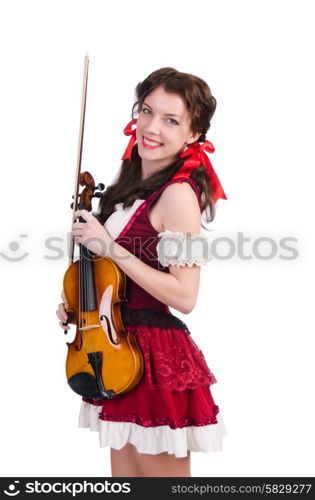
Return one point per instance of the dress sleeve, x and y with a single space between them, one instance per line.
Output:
180 249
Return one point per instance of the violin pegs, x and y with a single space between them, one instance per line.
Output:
97 195
100 186
71 206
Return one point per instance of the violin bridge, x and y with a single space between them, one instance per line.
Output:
90 327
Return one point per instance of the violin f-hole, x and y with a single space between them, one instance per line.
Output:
109 329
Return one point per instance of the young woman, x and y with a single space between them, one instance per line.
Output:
149 224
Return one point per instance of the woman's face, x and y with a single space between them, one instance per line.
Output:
163 129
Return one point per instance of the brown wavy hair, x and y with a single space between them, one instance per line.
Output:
128 185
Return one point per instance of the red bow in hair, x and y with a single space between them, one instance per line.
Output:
198 156
130 131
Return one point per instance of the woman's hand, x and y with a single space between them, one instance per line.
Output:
62 315
91 234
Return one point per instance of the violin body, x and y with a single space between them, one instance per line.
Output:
104 360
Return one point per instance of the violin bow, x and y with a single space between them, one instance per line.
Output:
80 148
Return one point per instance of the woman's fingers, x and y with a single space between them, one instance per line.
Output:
62 315
62 311
65 327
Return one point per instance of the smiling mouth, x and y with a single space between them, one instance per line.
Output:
149 144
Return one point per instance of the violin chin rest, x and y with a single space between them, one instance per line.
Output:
85 385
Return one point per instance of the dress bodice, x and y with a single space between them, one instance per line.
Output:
131 228
119 219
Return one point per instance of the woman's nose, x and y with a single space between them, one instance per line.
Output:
153 125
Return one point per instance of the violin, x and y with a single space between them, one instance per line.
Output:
104 360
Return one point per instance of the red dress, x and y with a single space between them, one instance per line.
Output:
171 409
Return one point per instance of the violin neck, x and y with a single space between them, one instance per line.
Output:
87 290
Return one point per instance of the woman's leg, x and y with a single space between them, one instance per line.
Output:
127 462
163 465
123 462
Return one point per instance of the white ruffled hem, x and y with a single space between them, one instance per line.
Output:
180 248
153 440
182 262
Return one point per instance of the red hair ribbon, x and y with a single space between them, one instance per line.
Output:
130 131
198 156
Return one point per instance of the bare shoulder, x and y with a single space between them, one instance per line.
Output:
180 209
181 188
180 196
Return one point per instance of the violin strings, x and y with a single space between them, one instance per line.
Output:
82 274
80 297
88 269
87 305
85 291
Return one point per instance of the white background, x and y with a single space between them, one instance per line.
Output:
254 319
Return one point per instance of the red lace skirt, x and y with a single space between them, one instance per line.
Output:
171 409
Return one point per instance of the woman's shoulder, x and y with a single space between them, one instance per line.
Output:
180 207
181 191
183 187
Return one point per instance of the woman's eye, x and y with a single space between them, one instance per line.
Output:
145 111
172 121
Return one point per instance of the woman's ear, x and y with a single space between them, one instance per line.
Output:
193 138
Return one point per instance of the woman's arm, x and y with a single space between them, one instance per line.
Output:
178 289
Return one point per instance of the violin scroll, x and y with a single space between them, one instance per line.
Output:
90 191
